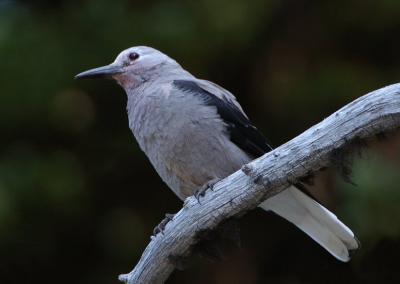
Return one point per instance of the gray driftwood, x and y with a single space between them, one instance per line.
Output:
374 113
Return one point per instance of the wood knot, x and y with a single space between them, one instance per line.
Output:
259 180
247 170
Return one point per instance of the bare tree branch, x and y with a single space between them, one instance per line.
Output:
374 113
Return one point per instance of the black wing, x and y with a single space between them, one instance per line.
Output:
241 131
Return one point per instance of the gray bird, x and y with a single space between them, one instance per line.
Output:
194 132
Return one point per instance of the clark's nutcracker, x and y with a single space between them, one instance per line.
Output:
195 132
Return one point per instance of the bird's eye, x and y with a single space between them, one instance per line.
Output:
133 56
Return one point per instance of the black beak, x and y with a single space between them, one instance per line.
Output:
100 72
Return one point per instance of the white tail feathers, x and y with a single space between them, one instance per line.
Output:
315 220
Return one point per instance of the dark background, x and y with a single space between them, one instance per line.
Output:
79 200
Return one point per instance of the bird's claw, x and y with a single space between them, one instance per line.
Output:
161 227
202 190
200 193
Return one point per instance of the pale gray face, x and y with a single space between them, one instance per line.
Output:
131 66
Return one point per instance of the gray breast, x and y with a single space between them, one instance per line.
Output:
186 141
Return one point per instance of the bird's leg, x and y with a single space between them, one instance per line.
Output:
160 227
202 190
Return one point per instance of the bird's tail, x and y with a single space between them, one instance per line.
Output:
315 220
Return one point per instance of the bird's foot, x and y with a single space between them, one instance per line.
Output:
202 190
161 227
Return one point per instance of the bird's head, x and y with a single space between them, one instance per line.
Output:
133 66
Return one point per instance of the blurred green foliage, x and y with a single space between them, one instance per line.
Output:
78 200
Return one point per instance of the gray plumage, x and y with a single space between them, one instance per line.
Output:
194 131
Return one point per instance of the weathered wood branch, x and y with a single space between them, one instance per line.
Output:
374 113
